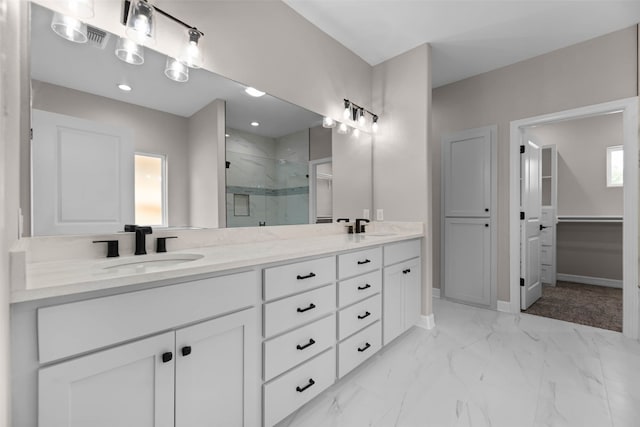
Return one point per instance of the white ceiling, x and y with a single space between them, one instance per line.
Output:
467 37
90 69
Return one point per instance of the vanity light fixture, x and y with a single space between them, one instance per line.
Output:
358 114
140 22
347 109
124 87
176 70
69 28
343 129
361 118
192 54
328 122
129 51
255 124
252 91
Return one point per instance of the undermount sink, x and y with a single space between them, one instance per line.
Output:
149 262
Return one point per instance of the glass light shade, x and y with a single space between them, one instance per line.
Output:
191 53
374 127
328 122
356 132
69 28
141 23
361 119
347 112
129 51
343 129
176 70
82 9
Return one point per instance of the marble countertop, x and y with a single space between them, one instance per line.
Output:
73 276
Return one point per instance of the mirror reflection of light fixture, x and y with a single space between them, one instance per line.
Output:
141 23
192 54
69 28
328 122
176 70
347 109
82 9
129 51
356 132
343 129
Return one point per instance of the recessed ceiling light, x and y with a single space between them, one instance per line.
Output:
255 124
254 92
124 87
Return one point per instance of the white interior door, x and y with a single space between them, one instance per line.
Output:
531 193
82 176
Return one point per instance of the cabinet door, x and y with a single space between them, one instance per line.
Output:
216 372
467 174
392 306
467 249
125 386
412 293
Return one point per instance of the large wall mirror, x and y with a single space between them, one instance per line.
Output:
115 143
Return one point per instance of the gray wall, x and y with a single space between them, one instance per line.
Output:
582 155
595 71
153 132
352 165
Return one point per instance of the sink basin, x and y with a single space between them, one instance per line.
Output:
149 262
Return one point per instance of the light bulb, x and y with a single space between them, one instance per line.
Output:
374 125
361 119
343 129
328 122
141 23
176 71
347 110
129 51
69 28
192 54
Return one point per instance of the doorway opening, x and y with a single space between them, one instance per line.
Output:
569 237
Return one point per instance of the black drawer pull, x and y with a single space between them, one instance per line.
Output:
166 357
302 310
308 276
367 314
186 350
309 344
301 389
408 270
362 288
366 346
366 261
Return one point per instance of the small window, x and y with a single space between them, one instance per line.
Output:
150 191
615 166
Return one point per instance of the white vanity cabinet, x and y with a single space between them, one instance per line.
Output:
207 371
401 289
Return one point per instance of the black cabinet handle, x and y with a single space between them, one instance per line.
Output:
309 344
366 261
366 346
362 288
308 276
186 350
486 225
309 384
542 227
407 271
367 314
302 310
166 357
486 209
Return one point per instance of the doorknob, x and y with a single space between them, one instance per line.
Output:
542 227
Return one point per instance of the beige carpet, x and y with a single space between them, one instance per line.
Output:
597 306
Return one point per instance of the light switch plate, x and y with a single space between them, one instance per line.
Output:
379 215
365 213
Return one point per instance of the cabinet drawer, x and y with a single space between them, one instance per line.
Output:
293 348
358 288
396 252
78 327
289 392
358 316
359 262
298 309
358 348
300 276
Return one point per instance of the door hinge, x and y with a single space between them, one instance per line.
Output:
521 215
521 281
522 149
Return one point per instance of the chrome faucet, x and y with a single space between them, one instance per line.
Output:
141 233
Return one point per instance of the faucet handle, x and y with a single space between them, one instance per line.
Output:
112 247
130 227
161 243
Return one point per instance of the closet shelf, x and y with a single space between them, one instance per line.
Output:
586 218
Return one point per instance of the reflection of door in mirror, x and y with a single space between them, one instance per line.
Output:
82 175
321 191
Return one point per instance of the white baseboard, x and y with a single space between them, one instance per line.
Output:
504 306
587 280
427 322
435 292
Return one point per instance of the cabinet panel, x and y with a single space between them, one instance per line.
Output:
359 262
298 277
393 310
125 386
358 348
468 244
296 310
401 251
412 292
358 288
216 379
358 316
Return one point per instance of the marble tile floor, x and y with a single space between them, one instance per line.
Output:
483 368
